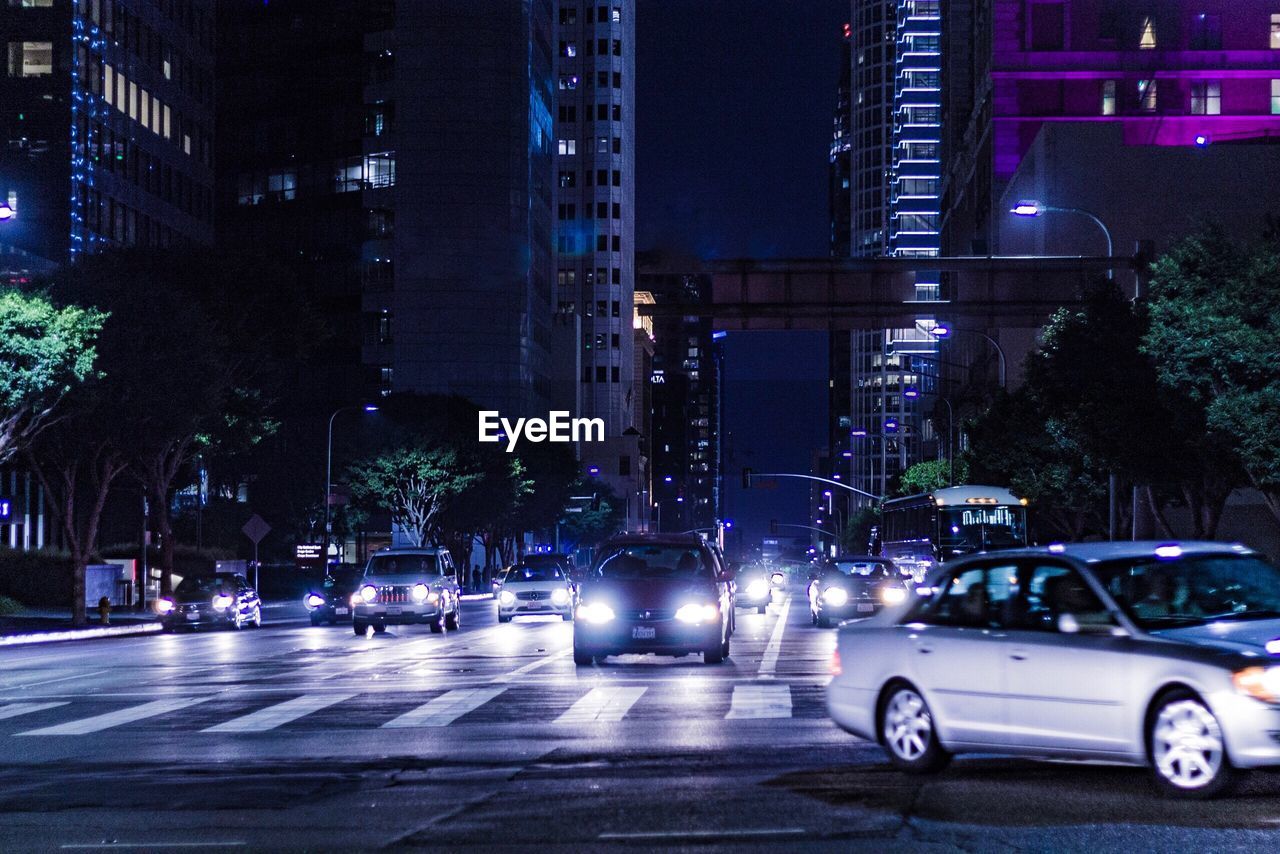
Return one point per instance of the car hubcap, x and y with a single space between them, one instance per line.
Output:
1187 744
908 725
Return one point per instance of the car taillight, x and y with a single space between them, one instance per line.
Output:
835 662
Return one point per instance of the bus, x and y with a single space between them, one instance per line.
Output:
918 531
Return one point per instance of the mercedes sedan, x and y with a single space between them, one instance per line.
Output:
1156 654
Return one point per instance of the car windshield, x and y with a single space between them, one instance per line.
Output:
1193 589
863 569
534 573
637 562
209 585
405 564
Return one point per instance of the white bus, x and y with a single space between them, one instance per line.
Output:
918 531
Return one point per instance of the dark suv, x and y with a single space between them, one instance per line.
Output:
669 594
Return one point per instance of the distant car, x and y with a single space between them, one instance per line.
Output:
755 587
403 586
855 587
669 594
221 600
540 585
331 601
1155 654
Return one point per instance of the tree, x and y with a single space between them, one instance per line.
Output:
856 533
597 521
44 351
1214 320
929 475
413 483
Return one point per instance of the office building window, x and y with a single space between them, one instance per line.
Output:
568 49
617 243
1046 26
616 374
1275 31
617 178
617 308
568 113
602 145
1206 98
602 243
617 75
1147 95
567 147
586 373
568 81
601 376
1275 97
617 210
1206 32
617 275
568 179
30 59
617 47
567 211
1147 41
566 277
615 341
602 210
568 16
617 15
617 145
1108 97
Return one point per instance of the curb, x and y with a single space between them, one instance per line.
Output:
79 634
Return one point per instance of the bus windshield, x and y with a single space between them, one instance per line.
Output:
968 529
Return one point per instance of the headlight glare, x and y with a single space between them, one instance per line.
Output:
596 612
696 613
420 592
368 593
757 589
778 578
1261 683
506 598
222 602
560 596
835 596
893 595
164 606
314 601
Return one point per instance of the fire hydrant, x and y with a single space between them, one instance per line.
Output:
104 611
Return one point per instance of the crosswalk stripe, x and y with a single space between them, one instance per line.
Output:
12 710
445 709
604 704
98 723
760 701
280 714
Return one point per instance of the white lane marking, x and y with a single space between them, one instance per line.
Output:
706 834
73 846
51 681
605 704
97 723
533 665
760 701
280 714
445 709
769 663
14 709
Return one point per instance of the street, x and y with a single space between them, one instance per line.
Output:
300 737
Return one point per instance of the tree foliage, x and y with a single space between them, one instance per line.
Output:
45 351
414 484
929 475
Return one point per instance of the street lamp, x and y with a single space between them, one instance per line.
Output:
943 332
328 474
1030 208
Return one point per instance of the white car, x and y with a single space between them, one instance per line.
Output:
1155 654
538 585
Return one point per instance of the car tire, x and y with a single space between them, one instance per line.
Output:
761 609
582 658
257 617
379 628
316 619
907 732
724 648
360 627
1199 770
716 654
437 625
823 622
502 619
451 620
236 622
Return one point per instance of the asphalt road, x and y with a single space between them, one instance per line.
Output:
292 737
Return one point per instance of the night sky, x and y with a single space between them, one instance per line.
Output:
734 106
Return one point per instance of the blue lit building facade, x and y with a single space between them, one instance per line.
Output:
107 117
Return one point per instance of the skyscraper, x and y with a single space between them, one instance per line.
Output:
108 125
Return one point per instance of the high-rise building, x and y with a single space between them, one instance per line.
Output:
595 226
108 125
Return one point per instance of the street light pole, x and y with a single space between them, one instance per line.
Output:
328 475
943 332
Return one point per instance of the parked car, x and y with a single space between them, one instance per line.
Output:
221 600
669 594
855 587
403 586
330 602
1154 654
539 585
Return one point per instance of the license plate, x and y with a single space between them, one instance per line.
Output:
193 617
644 633
342 610
393 610
866 606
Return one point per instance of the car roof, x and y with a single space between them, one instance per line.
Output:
1121 550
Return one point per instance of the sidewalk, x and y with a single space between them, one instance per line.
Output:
46 625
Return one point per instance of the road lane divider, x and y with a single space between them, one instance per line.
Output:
445 709
80 634
769 663
98 723
606 704
280 714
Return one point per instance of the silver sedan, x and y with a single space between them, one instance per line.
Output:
1158 654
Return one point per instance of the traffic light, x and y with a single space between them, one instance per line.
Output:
746 478
773 526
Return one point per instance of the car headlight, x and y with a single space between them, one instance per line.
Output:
507 598
560 596
893 595
368 593
778 578
695 613
758 589
222 602
835 596
164 606
1261 683
433 596
420 592
596 612
314 600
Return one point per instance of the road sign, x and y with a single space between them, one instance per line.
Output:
309 555
256 528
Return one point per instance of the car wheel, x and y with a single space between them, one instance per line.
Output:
1186 748
581 657
724 648
437 625
451 619
716 654
379 628
257 616
236 622
359 626
761 609
502 619
823 622
315 619
910 739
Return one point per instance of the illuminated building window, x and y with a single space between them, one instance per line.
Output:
1275 32
30 59
1108 97
568 81
1147 95
568 147
566 277
1275 97
1147 41
1206 98
568 179
568 49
